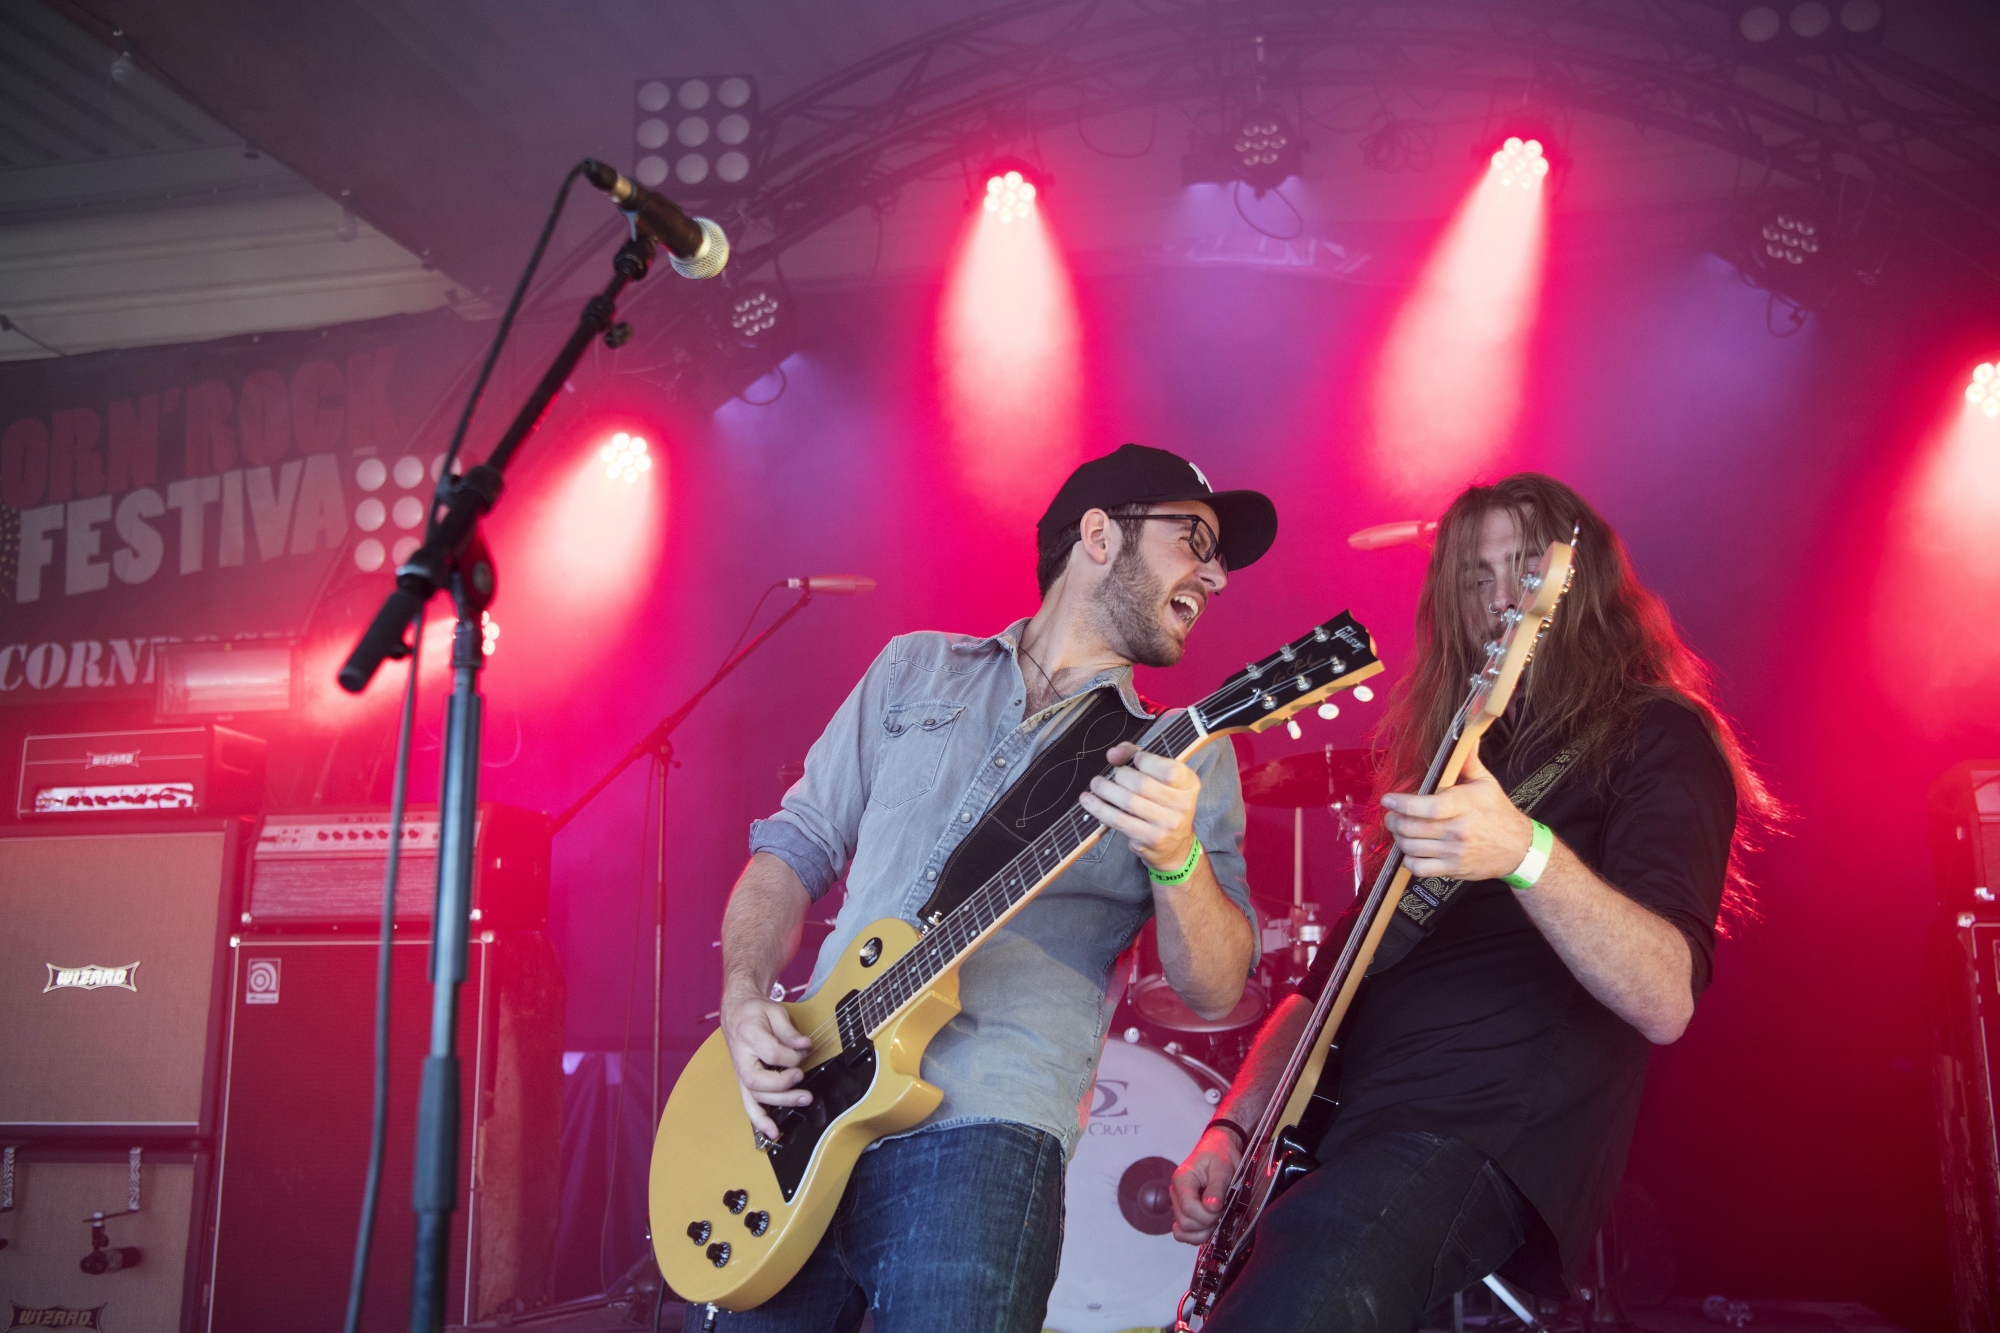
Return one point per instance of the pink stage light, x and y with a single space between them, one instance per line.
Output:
1941 570
1009 350
1984 391
1449 387
587 543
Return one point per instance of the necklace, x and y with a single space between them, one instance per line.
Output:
1044 670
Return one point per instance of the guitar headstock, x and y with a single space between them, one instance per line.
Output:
1509 655
1329 657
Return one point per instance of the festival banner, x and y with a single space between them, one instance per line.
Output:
211 491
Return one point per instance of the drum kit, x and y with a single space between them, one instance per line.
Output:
1166 1067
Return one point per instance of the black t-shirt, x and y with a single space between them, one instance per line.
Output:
1483 1034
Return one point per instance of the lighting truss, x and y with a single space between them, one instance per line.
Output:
1820 116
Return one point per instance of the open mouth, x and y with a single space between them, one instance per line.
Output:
1186 606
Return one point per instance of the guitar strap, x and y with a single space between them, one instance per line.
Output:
1037 798
1424 900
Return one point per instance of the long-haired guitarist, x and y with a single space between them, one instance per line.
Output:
1487 1080
958 1225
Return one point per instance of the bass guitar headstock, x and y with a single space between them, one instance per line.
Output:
1508 656
1329 657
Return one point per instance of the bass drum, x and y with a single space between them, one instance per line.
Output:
1121 1267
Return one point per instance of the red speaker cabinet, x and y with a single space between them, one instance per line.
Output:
294 1145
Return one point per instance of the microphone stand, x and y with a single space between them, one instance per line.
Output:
454 556
658 743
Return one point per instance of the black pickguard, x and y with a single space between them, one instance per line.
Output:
835 1087
1040 796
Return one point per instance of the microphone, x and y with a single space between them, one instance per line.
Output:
836 585
697 245
1411 532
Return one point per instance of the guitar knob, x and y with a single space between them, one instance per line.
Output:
698 1232
736 1200
759 1222
718 1253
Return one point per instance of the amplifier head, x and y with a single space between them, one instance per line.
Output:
323 870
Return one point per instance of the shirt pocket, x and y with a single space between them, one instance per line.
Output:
914 739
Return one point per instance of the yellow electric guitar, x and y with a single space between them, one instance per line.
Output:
735 1215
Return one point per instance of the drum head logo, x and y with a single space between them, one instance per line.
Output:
1108 1104
54 1316
92 978
260 985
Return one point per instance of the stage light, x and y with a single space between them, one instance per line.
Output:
1789 239
1265 148
1984 391
754 312
1809 24
1009 195
626 457
489 633
1520 162
1451 381
696 131
1009 346
1809 249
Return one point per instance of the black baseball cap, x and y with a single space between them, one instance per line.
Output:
1136 474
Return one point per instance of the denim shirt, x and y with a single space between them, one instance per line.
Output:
924 745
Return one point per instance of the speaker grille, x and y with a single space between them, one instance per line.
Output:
86 1045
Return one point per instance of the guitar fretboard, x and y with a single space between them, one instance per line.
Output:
953 937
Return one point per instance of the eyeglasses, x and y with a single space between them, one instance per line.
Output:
1200 538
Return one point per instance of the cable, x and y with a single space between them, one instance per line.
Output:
378 1128
656 773
500 334
1236 196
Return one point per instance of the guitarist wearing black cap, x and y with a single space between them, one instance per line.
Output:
958 1223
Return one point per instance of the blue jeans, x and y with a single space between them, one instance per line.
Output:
1388 1227
948 1231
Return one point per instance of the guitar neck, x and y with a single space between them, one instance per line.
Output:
1302 1072
967 927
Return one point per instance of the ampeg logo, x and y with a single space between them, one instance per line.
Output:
260 985
55 1316
92 978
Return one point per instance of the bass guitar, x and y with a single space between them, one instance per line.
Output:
735 1215
1279 1149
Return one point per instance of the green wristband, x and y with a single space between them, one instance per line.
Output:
1537 859
1179 876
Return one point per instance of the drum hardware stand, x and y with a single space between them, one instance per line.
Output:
454 557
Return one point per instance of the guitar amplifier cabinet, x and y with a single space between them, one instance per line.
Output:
294 1146
111 958
1965 838
1966 1068
206 770
324 870
46 1201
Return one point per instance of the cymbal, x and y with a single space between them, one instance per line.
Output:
1310 779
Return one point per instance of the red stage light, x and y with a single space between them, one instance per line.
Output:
1008 353
626 457
1520 163
1451 379
1984 391
1009 194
